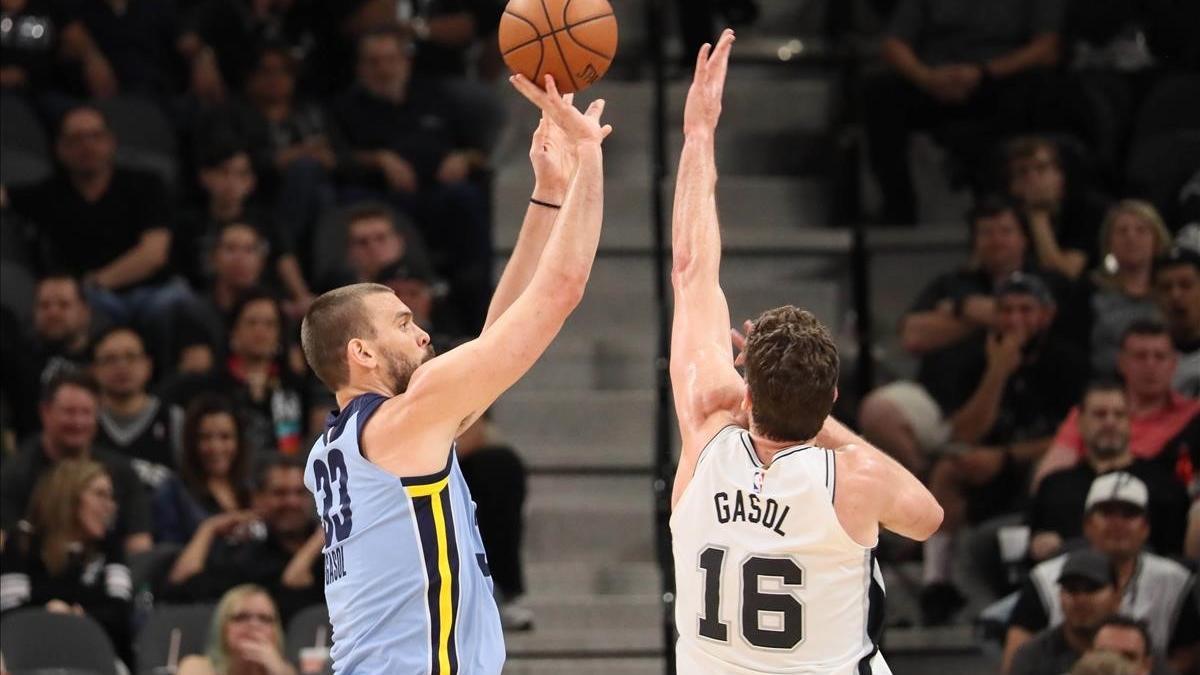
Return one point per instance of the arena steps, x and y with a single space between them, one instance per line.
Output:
601 666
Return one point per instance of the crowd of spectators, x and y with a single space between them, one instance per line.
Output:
1054 408
154 403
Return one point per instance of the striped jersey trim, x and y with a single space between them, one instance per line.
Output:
434 514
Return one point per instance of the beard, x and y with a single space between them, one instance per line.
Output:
1105 449
401 368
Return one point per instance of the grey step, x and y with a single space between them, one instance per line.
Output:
590 519
579 360
577 666
568 427
597 613
592 578
568 641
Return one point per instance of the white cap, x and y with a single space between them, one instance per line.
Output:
1117 487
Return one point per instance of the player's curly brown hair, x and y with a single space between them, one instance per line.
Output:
791 372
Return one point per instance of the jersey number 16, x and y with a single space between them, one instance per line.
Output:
788 612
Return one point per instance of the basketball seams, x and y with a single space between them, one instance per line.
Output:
566 29
538 40
579 43
561 55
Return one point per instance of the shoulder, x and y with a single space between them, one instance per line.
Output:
1159 569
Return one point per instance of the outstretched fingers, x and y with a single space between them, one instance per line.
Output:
530 91
719 63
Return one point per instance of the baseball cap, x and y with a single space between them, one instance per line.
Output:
1024 283
1089 565
1117 487
1177 255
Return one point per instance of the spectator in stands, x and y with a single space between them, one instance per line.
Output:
376 239
1177 289
1064 216
1129 638
1162 421
224 36
62 325
237 258
1087 594
1132 236
214 472
68 412
38 38
106 224
955 63
228 181
230 549
497 479
135 423
1012 387
246 636
410 143
260 376
1104 428
138 39
444 32
68 563
1102 663
1152 588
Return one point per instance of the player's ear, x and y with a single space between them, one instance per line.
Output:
835 393
358 351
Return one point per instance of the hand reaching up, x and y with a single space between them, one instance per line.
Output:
578 127
703 107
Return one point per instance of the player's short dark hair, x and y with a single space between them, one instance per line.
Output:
331 322
1098 385
69 377
791 372
1126 621
1145 328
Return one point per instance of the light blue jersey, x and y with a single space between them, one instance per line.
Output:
406 576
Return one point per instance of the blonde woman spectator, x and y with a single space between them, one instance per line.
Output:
1132 236
68 563
246 637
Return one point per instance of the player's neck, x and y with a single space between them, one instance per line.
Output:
766 449
352 391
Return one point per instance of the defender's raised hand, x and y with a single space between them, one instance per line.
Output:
578 127
703 106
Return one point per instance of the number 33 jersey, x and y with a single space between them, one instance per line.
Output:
406 577
767 581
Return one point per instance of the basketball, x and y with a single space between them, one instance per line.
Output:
573 40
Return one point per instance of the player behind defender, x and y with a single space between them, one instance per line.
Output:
773 534
406 578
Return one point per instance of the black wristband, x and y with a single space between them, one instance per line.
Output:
545 204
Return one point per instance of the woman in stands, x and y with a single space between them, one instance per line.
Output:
1132 235
246 637
67 562
214 474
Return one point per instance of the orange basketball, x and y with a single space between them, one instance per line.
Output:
573 40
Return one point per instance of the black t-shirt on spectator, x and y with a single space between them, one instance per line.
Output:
234 33
81 236
951 31
260 562
139 41
1036 398
98 582
1058 504
21 474
423 129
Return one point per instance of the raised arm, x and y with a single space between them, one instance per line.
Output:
553 165
457 385
706 386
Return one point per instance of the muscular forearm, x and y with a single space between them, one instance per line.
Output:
571 246
924 332
1042 51
138 263
904 61
695 234
977 416
531 241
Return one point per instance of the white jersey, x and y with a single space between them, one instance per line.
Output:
767 581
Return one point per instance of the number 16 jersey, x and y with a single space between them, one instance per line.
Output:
767 581
406 576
